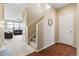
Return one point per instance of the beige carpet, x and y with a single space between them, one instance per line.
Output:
18 46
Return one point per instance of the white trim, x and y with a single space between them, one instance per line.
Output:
45 47
36 36
32 36
67 44
75 46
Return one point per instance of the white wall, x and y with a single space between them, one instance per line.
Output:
1 25
77 28
46 34
25 30
1 34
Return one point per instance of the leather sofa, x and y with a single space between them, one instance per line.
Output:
17 32
8 35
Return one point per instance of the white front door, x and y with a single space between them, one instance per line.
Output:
66 28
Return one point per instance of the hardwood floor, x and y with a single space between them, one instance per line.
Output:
58 49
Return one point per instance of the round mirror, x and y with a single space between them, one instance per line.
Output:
50 22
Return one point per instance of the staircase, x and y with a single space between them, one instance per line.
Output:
32 42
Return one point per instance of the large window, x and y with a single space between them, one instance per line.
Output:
13 26
21 26
10 26
16 26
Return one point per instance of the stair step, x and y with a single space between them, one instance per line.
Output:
34 36
34 39
33 44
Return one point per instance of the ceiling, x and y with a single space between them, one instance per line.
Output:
14 11
58 5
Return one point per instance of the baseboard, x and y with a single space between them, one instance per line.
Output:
45 47
52 44
74 46
67 44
